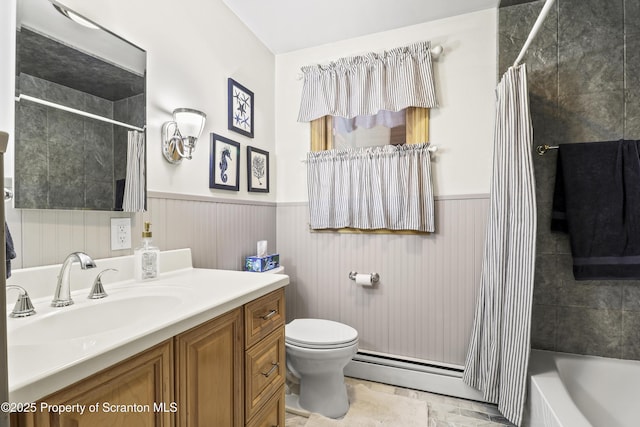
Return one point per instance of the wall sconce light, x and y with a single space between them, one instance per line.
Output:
179 136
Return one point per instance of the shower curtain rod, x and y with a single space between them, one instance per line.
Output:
534 31
76 111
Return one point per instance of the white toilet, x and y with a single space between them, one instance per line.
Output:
317 351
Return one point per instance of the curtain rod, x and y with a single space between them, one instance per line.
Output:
75 111
534 31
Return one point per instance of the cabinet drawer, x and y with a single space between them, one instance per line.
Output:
272 413
264 371
263 316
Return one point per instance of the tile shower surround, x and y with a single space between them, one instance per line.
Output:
584 86
77 152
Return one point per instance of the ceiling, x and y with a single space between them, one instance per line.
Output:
288 25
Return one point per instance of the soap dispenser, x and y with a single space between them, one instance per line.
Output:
146 264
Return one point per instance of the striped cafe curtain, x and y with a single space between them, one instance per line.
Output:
371 188
498 355
134 186
363 85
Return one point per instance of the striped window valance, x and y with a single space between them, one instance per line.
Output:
371 188
363 85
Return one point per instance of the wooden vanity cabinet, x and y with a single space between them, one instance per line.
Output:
226 372
125 395
209 365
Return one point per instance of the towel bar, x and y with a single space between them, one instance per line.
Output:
541 149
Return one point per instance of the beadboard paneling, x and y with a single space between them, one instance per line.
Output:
422 308
424 304
220 233
44 237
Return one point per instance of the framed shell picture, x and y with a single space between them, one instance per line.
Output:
224 163
257 170
240 109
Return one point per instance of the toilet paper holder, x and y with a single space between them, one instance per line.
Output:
375 277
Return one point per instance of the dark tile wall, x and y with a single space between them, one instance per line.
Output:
584 85
63 160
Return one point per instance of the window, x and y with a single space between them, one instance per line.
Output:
382 187
416 129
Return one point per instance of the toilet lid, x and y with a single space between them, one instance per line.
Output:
319 333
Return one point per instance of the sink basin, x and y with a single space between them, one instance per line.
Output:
92 318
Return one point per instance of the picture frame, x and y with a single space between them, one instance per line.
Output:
257 170
240 108
224 163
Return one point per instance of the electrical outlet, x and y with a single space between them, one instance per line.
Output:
120 233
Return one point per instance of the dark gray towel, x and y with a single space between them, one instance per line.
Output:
10 251
597 201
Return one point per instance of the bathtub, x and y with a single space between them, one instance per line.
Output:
567 390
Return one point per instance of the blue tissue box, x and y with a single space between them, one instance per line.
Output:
259 264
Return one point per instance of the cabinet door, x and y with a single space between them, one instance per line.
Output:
136 392
209 368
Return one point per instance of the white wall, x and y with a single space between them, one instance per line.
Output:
195 46
192 46
462 127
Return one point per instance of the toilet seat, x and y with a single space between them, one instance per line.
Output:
319 334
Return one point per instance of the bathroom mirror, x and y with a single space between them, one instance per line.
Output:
80 96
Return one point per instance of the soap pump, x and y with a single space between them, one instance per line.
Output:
146 257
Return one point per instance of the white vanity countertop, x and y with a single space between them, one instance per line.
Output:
135 316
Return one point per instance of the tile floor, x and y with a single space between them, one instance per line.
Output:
444 411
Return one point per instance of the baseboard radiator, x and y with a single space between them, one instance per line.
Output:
433 377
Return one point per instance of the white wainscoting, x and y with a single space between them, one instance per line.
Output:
220 232
423 306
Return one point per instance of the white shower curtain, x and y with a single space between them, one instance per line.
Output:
134 185
498 354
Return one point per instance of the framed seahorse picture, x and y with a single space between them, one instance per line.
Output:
224 163
240 108
257 170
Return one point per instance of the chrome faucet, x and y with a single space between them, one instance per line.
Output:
62 297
